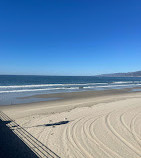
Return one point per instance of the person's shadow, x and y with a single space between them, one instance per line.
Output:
54 124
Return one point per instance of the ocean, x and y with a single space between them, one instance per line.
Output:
14 87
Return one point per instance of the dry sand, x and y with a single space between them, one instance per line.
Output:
96 126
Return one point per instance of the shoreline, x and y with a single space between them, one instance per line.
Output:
55 97
77 99
86 94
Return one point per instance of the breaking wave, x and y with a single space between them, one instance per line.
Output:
59 87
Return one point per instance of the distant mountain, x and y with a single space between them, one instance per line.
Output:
128 74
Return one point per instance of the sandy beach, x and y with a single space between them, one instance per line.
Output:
103 124
70 79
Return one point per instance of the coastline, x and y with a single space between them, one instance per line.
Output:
80 99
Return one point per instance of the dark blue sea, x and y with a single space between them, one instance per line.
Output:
14 87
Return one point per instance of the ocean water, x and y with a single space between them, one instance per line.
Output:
13 87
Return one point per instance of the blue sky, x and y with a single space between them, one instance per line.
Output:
70 37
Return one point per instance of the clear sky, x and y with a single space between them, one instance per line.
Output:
70 37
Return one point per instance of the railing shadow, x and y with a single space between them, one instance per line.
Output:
16 142
10 144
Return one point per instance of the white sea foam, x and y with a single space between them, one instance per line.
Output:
47 85
50 87
122 85
105 86
31 90
55 85
122 82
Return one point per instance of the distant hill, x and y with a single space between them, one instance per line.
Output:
128 74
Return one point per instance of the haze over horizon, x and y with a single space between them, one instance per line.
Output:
70 37
102 75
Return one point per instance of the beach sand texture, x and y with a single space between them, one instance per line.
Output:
102 127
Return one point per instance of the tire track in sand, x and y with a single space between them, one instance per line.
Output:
107 121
